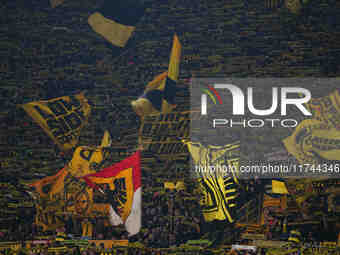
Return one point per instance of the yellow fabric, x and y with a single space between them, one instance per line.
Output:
61 122
293 239
87 228
56 179
117 34
313 140
45 213
60 236
218 210
143 107
295 232
166 107
65 191
326 109
126 185
106 140
217 197
317 139
215 155
101 209
169 185
157 82
175 58
279 187
173 68
180 185
83 160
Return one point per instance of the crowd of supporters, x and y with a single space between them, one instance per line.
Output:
169 218
45 53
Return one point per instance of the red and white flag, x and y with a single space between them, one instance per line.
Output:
121 182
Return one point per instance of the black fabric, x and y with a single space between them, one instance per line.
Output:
155 97
170 91
125 12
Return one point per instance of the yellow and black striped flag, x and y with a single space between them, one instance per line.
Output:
159 95
294 236
220 190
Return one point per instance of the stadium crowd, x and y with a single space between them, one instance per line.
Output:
45 53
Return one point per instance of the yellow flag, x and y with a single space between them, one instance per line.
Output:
313 142
116 21
86 160
219 190
215 204
106 140
159 95
51 193
177 186
326 109
279 187
180 186
114 32
65 192
40 186
169 185
61 118
175 58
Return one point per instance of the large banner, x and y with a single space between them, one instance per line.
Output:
65 192
120 185
220 189
161 134
316 141
54 197
326 109
62 118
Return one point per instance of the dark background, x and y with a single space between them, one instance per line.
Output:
46 53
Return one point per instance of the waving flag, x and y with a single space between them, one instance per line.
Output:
47 196
121 184
279 187
116 21
61 118
220 191
65 191
159 95
326 109
316 140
